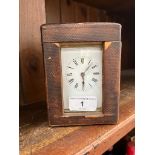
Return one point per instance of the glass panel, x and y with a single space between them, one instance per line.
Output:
82 77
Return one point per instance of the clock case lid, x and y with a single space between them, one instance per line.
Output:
75 32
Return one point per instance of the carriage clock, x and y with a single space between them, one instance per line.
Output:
82 70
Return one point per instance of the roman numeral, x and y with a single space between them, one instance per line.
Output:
90 85
69 74
94 66
75 62
89 62
96 73
71 80
82 60
95 80
76 85
70 67
82 103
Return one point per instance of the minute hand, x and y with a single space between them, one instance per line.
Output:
87 67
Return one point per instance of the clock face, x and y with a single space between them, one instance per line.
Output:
82 73
82 77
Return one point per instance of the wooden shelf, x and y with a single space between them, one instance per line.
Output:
37 138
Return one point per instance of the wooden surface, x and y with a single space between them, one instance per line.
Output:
81 32
52 11
37 138
55 34
81 12
68 11
94 14
111 87
32 15
111 5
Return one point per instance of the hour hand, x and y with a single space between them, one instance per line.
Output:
83 85
82 75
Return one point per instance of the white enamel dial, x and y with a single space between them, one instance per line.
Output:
82 77
82 73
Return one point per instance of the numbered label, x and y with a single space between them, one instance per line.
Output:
82 103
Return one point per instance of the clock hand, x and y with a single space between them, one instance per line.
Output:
83 85
87 68
82 75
